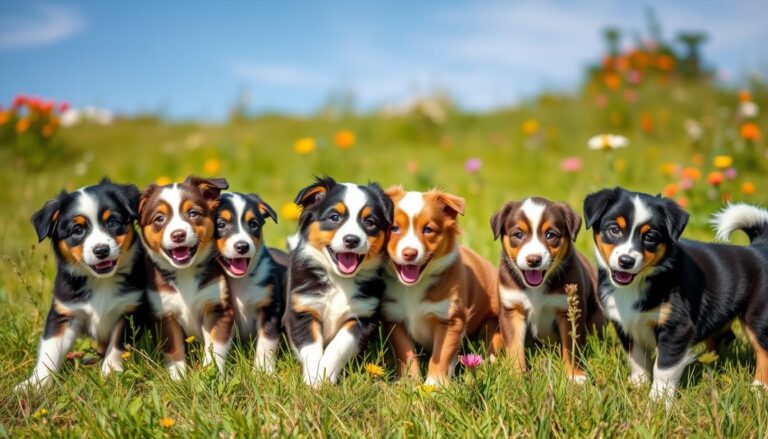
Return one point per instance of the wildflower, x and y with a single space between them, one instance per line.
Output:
646 122
212 166
669 169
412 166
750 131
748 110
708 357
693 130
691 173
722 161
471 361
167 422
290 211
426 388
473 165
48 130
607 141
682 202
686 184
530 127
601 100
748 188
744 96
40 413
126 355
163 180
19 101
665 62
190 339
75 355
630 95
304 145
22 125
5 116
697 159
612 81
374 370
344 139
669 190
64 106
731 174
715 178
634 77
571 164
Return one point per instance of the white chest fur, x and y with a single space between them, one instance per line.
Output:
640 325
97 315
541 308
248 297
407 305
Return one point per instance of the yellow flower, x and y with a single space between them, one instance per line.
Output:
723 161
304 145
126 355
344 139
374 370
669 169
190 339
708 357
748 188
167 422
290 211
530 127
41 412
212 166
607 141
426 388
163 180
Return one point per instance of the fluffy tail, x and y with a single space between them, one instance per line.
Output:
750 219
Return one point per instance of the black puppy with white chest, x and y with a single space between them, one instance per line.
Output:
100 277
667 294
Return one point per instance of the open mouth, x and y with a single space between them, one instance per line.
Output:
409 273
235 266
104 267
346 262
181 255
622 277
534 278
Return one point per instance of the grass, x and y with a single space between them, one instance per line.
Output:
257 156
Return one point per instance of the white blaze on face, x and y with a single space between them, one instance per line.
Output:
642 214
239 206
535 245
173 196
354 200
88 206
411 204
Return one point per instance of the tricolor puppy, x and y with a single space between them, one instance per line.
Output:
334 276
538 260
187 288
666 294
437 291
257 274
100 274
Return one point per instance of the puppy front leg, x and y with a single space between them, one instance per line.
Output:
513 326
672 355
640 364
305 333
58 336
351 338
172 336
113 357
267 344
568 347
405 351
217 334
445 346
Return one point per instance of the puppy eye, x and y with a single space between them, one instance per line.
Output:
369 222
221 224
650 238
253 224
159 219
428 230
615 230
518 234
395 229
550 235
335 218
78 231
112 223
192 214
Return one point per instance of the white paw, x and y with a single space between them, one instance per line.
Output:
577 379
31 383
436 381
759 385
663 394
314 382
492 358
177 371
264 366
638 379
108 366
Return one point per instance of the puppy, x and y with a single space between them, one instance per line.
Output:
437 291
99 278
666 294
187 288
334 274
257 274
538 260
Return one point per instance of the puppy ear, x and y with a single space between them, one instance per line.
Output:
675 217
595 204
210 188
45 219
128 195
395 191
572 220
264 209
315 192
145 196
386 200
453 205
499 218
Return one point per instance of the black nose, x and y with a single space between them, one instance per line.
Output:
101 251
533 260
242 247
351 241
626 261
178 236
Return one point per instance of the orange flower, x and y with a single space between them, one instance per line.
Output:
167 422
304 145
163 180
530 127
646 123
669 190
698 159
715 178
748 188
612 81
5 116
290 211
344 139
750 131
48 130
665 62
691 174
682 202
22 125
212 166
744 96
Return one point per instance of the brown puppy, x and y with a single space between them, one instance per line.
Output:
537 262
437 291
187 289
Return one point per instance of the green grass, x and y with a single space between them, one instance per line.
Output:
257 156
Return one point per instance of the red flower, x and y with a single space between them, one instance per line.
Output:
19 101
64 106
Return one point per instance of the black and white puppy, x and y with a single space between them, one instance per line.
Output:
257 274
334 275
666 294
100 274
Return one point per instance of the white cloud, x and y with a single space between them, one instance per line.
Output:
42 24
280 75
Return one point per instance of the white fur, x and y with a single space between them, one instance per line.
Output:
665 381
266 353
339 351
535 246
738 216
310 356
248 297
238 202
411 204
638 324
177 369
541 308
640 364
88 206
354 200
49 357
642 214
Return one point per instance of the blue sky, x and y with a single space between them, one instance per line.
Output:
192 59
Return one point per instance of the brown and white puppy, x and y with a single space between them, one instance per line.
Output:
437 291
537 261
187 288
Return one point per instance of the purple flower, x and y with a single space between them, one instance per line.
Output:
731 173
471 361
473 165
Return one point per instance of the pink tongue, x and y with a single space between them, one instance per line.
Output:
180 253
347 262
533 277
623 276
409 273
105 264
238 265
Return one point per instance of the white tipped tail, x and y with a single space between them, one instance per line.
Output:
750 219
292 241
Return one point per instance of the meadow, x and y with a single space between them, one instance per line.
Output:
537 148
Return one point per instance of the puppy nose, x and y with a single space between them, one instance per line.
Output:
409 254
626 261
351 241
101 251
242 247
533 260
178 236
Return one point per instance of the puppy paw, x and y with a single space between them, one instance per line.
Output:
30 384
436 381
577 379
177 371
759 385
638 379
108 366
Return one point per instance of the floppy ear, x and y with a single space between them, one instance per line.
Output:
315 192
264 209
145 196
44 220
395 191
499 218
453 205
128 195
595 204
675 217
210 188
386 200
572 220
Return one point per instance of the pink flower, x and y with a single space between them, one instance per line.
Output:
601 100
634 77
630 95
471 361
731 173
686 184
63 106
571 164
473 165
412 166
